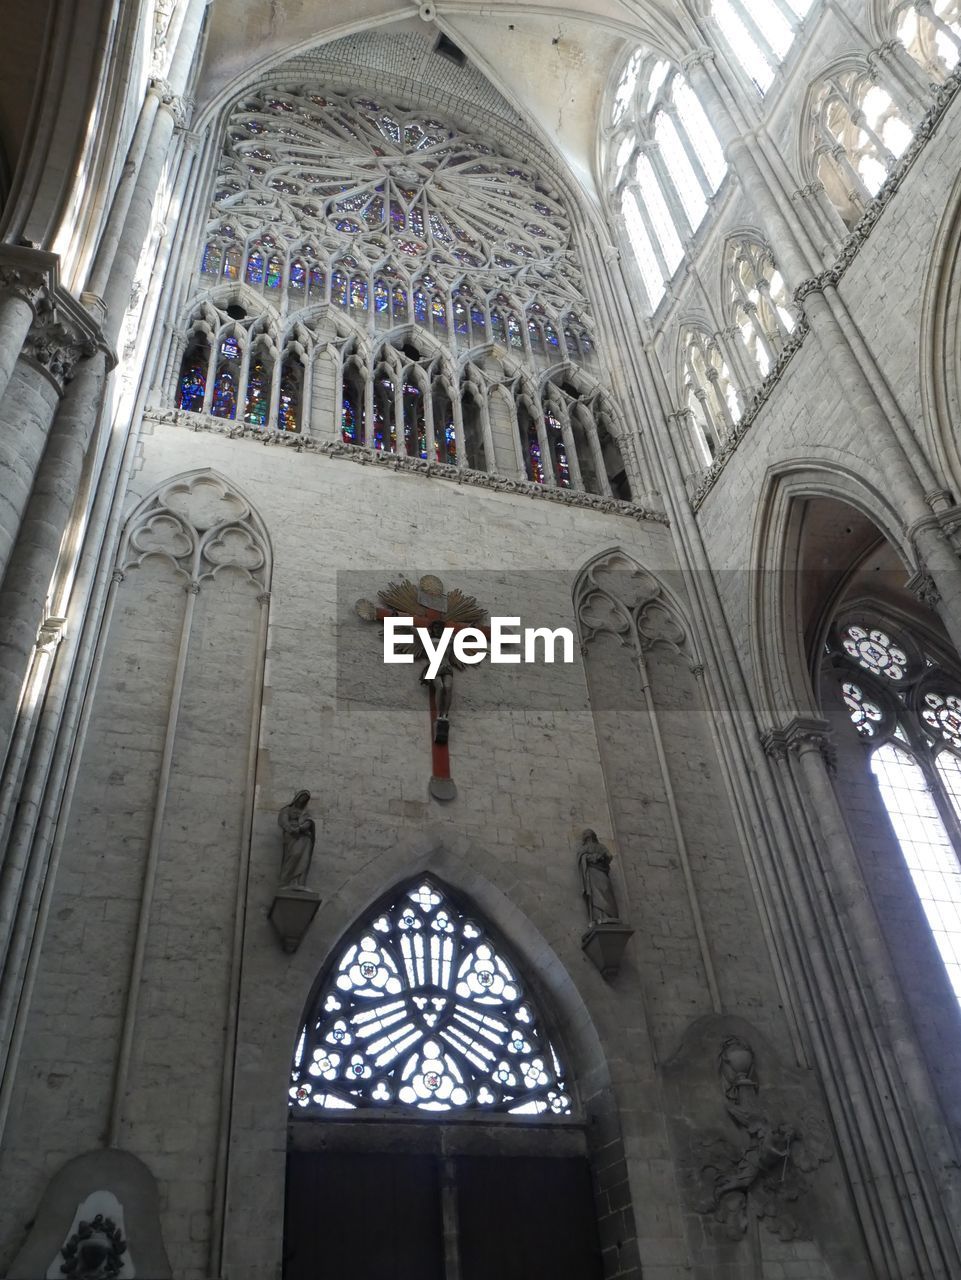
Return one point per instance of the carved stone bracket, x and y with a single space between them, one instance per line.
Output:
922 585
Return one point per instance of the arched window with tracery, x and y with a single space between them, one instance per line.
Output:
419 233
708 392
857 132
931 33
422 1015
759 33
664 165
906 705
759 301
421 1010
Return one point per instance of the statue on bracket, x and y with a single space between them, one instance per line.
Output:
607 935
594 860
294 905
299 835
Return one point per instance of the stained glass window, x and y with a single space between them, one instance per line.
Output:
562 467
232 263
381 296
210 262
275 272
535 466
422 1011
905 704
874 650
255 268
193 380
297 281
358 294
288 407
348 422
224 404
258 394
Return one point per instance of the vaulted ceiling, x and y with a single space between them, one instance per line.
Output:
551 62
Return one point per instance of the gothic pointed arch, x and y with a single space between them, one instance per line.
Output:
551 1151
422 1009
789 604
940 343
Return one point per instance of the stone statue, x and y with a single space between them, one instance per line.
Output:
299 834
594 860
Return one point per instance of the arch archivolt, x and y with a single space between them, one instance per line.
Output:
777 628
940 345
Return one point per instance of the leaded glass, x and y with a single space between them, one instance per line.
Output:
193 382
865 714
422 1011
275 273
927 849
875 651
941 712
258 391
255 268
210 262
224 404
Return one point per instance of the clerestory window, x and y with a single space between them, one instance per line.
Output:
907 707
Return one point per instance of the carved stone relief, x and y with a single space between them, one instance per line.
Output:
754 1151
201 526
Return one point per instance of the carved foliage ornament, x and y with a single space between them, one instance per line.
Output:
94 1250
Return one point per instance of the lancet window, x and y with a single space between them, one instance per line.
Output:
907 707
421 1011
758 300
759 33
857 133
709 393
423 406
665 164
931 33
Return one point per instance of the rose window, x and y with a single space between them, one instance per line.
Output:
876 651
422 1011
361 170
941 712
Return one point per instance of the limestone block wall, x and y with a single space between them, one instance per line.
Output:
201 1095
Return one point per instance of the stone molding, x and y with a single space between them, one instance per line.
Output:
943 95
395 462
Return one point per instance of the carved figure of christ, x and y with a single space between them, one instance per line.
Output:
435 616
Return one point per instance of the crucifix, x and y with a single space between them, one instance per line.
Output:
437 611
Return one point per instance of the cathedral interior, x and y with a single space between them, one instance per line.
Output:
636 322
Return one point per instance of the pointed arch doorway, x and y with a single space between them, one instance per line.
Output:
433 1135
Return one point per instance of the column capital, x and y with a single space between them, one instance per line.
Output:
56 344
30 274
180 107
799 736
697 58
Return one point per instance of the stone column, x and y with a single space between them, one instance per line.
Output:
26 412
33 561
27 277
